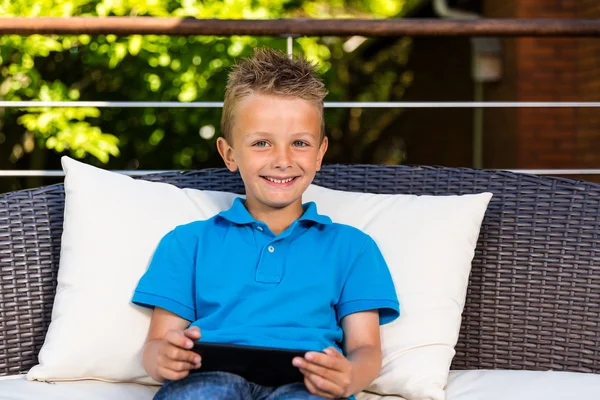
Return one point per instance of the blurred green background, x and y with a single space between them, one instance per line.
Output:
186 69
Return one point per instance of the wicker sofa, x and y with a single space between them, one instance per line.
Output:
533 300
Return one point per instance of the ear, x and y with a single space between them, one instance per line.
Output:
322 150
226 152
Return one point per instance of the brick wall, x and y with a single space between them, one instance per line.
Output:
549 69
500 124
588 130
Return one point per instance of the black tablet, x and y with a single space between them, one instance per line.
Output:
262 365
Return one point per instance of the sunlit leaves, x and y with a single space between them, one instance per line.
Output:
152 68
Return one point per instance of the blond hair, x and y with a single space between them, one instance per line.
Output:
274 73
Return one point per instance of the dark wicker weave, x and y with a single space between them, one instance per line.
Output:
534 295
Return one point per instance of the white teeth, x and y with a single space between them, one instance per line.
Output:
279 180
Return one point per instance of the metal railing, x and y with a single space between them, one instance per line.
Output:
293 28
331 104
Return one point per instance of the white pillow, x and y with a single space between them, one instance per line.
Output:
113 224
428 243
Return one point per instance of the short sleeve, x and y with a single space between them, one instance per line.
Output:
169 281
369 286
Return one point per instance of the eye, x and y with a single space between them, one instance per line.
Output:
300 143
260 143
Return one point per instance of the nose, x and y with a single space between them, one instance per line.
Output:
283 157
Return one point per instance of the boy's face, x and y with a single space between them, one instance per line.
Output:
277 147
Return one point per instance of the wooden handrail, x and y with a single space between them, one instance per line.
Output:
301 27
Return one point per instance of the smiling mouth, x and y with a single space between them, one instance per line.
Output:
280 181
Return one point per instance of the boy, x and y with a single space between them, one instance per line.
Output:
269 271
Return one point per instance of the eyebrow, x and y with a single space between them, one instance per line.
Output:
262 133
257 133
302 134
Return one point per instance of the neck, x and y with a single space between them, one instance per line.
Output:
277 219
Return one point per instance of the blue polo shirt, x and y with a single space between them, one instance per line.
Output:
242 284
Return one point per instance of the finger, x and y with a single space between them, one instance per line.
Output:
192 358
174 364
177 366
324 360
179 339
330 374
174 353
179 360
323 383
332 351
193 333
172 375
314 389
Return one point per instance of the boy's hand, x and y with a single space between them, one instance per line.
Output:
173 355
327 374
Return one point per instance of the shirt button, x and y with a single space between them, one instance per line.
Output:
271 249
259 228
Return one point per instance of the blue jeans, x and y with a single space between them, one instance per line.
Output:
226 386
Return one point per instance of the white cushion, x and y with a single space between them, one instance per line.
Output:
462 385
18 388
373 396
513 385
522 385
113 224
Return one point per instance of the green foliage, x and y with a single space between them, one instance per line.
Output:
156 68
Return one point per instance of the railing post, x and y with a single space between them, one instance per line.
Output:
290 46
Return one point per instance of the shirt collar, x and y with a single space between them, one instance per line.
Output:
311 214
239 215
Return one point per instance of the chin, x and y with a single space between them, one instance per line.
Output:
280 203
